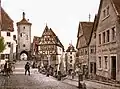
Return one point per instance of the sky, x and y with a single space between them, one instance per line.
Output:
63 16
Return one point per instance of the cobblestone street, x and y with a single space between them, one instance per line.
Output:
35 81
39 81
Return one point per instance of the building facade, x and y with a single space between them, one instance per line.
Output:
24 39
84 33
50 49
92 49
107 40
34 48
7 31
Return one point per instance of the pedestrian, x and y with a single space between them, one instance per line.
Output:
27 68
6 68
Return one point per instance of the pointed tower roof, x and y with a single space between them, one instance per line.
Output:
71 48
24 21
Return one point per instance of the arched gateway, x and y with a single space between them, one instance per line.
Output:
24 39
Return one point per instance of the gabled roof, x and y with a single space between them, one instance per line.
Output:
24 21
7 22
116 6
86 27
49 32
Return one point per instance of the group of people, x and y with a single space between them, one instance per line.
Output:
7 69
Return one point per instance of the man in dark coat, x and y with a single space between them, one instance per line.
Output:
27 68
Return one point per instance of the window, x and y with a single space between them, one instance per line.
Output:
103 37
107 10
71 53
23 45
85 51
8 33
106 62
99 38
14 37
108 35
21 34
104 13
2 56
71 61
6 56
9 44
92 50
23 27
26 37
70 57
113 34
70 65
100 64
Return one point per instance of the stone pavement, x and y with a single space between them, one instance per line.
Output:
90 84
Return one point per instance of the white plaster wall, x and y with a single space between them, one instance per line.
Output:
8 39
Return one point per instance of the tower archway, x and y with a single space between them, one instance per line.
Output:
24 55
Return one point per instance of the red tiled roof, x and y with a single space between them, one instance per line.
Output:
7 22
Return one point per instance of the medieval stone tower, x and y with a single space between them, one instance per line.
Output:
24 38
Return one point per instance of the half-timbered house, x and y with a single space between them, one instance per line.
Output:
50 49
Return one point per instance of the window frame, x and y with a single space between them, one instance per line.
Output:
99 38
108 36
106 62
8 34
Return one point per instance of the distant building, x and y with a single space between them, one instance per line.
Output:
84 33
34 48
108 40
24 39
50 49
71 58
